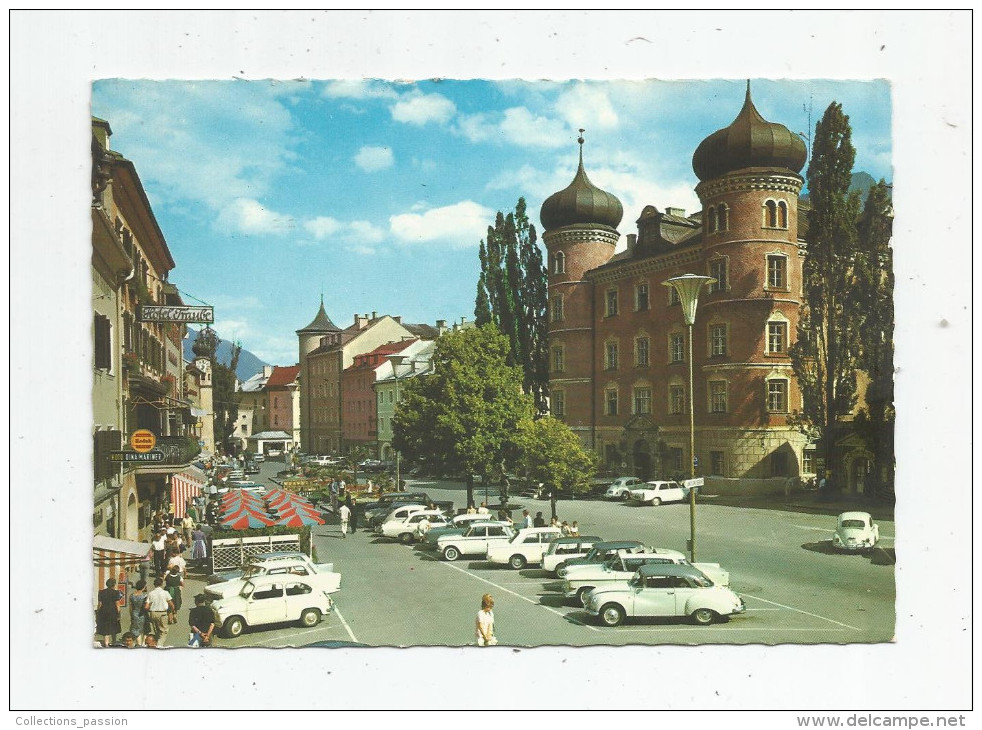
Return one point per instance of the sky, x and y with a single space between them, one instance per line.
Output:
376 194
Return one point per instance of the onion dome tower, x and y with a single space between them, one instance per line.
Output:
580 233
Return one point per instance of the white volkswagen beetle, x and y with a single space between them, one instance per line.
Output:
855 531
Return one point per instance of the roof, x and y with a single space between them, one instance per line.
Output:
271 436
617 544
423 331
282 376
321 323
669 569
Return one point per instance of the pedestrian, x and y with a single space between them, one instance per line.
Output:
565 528
483 509
159 547
526 519
158 604
539 520
484 625
129 641
173 582
187 525
345 514
202 622
556 523
471 509
107 613
138 614
574 529
177 559
199 548
354 517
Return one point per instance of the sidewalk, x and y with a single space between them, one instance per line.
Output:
809 502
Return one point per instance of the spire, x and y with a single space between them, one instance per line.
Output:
581 203
580 140
321 323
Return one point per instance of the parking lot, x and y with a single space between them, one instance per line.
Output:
797 590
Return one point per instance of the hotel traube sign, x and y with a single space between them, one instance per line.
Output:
154 313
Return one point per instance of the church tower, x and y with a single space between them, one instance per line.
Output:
310 338
580 233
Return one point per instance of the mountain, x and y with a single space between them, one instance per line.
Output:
248 364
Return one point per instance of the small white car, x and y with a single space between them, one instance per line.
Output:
855 531
656 493
621 487
664 590
457 526
399 513
320 575
476 540
271 599
567 548
405 529
527 547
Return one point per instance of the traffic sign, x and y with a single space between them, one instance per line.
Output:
140 456
143 440
697 482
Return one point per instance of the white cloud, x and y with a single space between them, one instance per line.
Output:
358 89
517 126
371 159
365 232
460 225
420 109
359 236
587 106
250 217
322 226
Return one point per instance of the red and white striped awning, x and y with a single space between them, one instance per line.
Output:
117 559
184 486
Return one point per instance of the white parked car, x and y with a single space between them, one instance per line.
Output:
271 599
527 547
405 528
656 493
399 513
621 487
476 540
855 531
320 575
567 548
664 590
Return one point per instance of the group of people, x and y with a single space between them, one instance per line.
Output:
568 530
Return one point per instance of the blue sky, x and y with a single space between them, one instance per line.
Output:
377 193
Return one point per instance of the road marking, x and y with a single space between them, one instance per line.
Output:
722 628
299 633
806 613
347 628
517 595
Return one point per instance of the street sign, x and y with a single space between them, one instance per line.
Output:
143 440
153 313
695 461
697 482
138 456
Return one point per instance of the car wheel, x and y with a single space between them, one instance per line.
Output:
611 614
625 496
518 562
233 627
406 538
561 570
310 617
703 616
451 553
581 594
655 502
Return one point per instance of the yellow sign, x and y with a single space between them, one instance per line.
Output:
143 441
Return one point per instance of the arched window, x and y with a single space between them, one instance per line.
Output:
782 214
559 266
711 220
723 218
770 214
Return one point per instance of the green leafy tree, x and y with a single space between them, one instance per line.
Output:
825 355
226 395
512 295
463 417
874 279
549 452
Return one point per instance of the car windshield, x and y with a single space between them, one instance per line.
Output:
247 589
253 570
855 524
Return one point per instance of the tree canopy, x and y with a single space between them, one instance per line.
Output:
549 452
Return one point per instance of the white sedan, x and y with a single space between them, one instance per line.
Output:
272 599
621 487
405 528
655 493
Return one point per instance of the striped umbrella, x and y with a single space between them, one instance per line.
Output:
245 520
299 519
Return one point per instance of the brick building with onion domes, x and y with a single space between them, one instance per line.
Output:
617 339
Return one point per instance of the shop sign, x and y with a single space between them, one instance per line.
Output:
157 313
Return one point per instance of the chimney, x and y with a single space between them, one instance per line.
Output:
374 315
267 370
361 321
398 319
441 326
632 241
678 212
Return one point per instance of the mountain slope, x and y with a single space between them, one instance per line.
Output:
248 364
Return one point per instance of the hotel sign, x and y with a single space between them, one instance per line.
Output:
156 313
131 456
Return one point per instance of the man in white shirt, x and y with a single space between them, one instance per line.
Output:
158 603
345 514
483 509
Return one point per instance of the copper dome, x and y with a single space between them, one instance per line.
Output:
750 141
581 202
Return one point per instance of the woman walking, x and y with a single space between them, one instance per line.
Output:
199 549
173 582
107 613
484 625
138 615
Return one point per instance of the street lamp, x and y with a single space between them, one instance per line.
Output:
688 287
396 361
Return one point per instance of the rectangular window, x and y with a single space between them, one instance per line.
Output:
675 457
610 405
717 270
641 352
673 296
717 339
777 337
777 272
716 463
557 308
611 310
677 347
676 399
642 400
558 359
717 396
558 403
611 356
808 462
777 396
641 297
103 343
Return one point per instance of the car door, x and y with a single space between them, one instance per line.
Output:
656 597
478 542
298 597
267 605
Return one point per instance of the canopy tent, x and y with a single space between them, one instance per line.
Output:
298 519
245 520
115 558
184 486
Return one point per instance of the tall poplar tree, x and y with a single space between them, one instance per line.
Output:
825 356
512 295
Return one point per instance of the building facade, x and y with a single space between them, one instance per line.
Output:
360 422
617 339
417 362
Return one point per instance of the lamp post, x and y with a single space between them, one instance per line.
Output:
396 361
687 287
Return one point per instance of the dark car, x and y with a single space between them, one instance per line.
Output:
251 467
